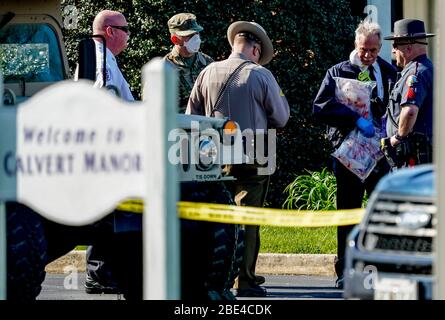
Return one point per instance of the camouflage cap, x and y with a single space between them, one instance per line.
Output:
183 24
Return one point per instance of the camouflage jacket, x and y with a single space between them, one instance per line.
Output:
188 71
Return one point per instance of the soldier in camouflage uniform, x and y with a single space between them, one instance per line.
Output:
185 55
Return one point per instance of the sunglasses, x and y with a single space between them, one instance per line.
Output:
397 44
123 28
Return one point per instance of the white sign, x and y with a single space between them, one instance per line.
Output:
80 154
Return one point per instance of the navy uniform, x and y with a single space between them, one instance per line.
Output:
414 87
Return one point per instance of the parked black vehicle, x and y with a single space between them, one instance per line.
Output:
390 254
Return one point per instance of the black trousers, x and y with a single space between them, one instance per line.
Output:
101 253
350 193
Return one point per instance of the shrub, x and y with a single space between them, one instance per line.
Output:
312 191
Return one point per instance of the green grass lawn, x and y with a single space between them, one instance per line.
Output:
294 240
298 240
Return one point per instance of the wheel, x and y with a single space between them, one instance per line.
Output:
211 253
225 260
26 252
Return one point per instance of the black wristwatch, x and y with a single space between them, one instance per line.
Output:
399 137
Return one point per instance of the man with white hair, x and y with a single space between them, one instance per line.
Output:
364 64
243 90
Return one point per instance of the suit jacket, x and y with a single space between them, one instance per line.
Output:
340 118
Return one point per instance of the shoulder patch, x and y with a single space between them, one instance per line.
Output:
411 80
411 93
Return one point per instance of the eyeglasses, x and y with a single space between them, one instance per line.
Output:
123 28
396 45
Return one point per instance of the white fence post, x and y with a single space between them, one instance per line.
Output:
161 224
439 152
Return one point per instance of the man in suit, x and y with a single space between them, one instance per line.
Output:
363 64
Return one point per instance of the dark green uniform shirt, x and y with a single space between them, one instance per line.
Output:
188 71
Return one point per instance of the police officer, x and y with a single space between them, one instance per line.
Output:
411 103
113 26
364 63
185 55
249 94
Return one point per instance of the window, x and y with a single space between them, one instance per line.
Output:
31 53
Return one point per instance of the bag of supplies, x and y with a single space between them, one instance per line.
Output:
358 153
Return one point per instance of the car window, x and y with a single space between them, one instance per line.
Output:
30 52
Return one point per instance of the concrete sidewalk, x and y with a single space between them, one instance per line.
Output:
268 263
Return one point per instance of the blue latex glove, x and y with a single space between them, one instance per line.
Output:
366 127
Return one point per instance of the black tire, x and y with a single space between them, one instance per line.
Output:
225 260
211 252
26 253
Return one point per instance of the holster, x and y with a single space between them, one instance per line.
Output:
413 150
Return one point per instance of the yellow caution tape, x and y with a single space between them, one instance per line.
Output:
135 206
257 216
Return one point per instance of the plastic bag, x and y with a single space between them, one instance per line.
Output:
355 94
358 153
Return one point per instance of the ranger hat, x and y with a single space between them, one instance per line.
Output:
183 24
258 32
409 29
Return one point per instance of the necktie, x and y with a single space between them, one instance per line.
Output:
371 72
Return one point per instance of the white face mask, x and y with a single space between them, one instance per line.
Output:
193 44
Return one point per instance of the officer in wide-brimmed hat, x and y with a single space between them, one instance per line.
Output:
409 29
411 104
185 55
243 90
256 32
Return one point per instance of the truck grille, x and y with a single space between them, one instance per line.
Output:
402 243
400 224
